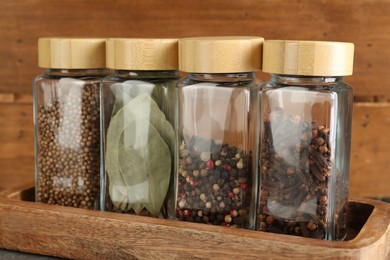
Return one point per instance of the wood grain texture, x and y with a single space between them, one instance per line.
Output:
369 159
16 145
370 176
83 234
366 23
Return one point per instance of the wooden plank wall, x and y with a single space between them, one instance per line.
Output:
366 23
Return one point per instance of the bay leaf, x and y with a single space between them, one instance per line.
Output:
145 107
126 91
144 159
138 208
117 184
133 117
119 196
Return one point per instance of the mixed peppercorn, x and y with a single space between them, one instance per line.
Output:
213 183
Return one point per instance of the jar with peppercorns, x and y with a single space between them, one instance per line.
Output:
67 121
305 139
215 167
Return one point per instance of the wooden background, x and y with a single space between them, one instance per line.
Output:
364 22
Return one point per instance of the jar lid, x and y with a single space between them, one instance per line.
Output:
141 54
220 54
308 58
71 53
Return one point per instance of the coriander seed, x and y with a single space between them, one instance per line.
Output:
67 121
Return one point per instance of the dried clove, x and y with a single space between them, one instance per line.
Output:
294 168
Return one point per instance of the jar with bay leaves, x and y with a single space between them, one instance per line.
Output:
138 114
215 170
306 112
67 121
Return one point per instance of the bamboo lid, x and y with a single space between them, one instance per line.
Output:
308 58
71 53
141 54
220 54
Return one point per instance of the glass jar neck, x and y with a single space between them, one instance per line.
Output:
134 74
76 72
305 80
222 77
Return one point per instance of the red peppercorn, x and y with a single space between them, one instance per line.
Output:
243 186
186 213
194 183
233 213
210 164
231 194
227 167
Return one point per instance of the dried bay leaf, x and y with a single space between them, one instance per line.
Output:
144 106
144 160
138 208
119 196
132 139
126 91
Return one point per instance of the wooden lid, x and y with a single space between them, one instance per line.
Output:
141 54
71 53
220 54
308 58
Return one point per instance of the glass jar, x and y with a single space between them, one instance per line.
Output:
305 140
138 114
67 121
215 170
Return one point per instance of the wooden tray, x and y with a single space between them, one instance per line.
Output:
84 234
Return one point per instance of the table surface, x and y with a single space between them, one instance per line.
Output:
8 255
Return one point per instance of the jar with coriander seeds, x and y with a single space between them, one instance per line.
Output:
216 171
138 114
67 121
305 140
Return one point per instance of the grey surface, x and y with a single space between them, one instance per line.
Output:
9 255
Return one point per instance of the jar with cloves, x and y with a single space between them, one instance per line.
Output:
67 121
305 139
138 104
215 167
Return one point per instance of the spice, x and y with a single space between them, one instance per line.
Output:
217 195
68 140
214 126
305 139
138 158
295 195
67 121
138 108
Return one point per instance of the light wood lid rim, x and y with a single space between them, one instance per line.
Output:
71 53
141 54
220 54
308 58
